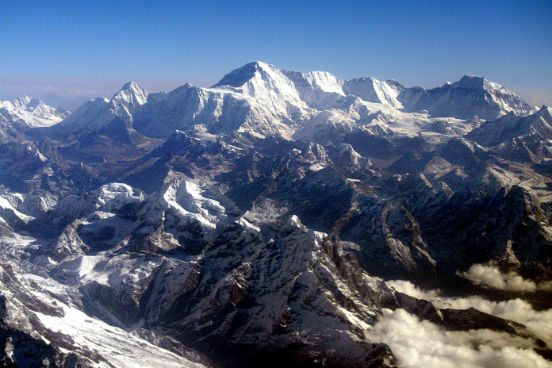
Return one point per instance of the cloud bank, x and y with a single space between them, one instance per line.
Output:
517 310
418 343
491 277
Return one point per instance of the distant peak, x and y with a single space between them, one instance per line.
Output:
472 77
257 65
469 81
545 110
130 85
131 92
26 101
241 75
261 64
395 84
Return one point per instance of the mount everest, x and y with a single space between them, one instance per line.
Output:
261 99
267 219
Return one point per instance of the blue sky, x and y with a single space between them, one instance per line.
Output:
71 50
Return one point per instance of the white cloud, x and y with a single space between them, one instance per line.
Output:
517 310
491 277
418 343
408 288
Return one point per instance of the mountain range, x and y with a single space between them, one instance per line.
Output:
277 218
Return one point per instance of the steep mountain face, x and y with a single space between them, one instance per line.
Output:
265 221
256 98
523 138
470 96
510 127
43 325
373 90
97 113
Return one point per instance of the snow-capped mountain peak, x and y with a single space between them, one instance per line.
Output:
262 81
511 126
325 81
476 82
545 111
129 85
466 98
131 93
30 112
26 101
127 99
264 100
240 76
98 112
373 90
470 80
507 100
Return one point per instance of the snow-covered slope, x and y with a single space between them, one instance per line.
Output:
470 96
257 98
51 313
30 112
98 112
261 99
373 90
259 225
511 126
525 138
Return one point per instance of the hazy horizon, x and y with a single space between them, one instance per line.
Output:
66 52
72 93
